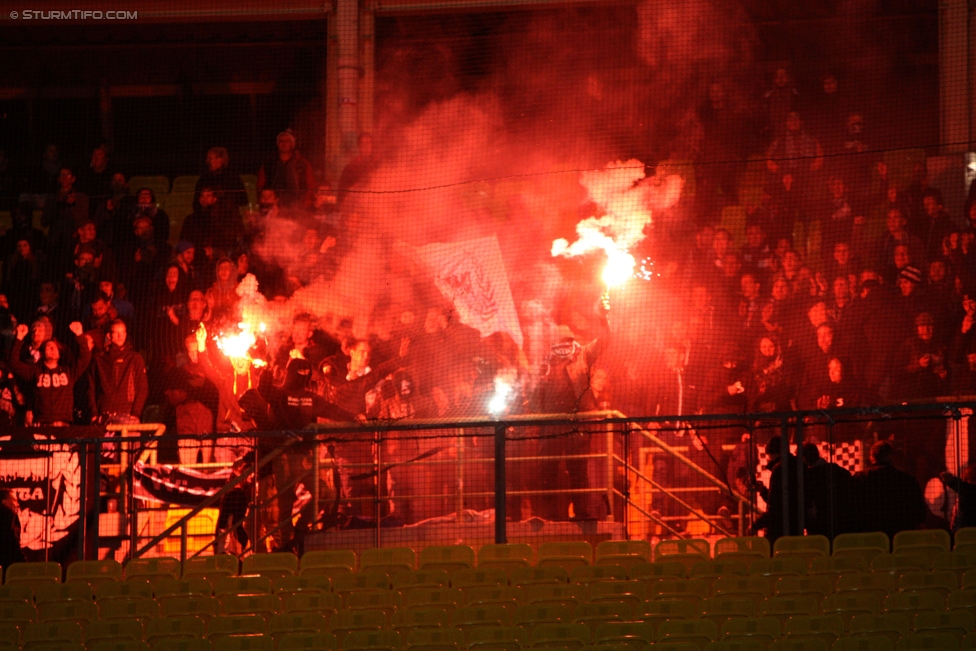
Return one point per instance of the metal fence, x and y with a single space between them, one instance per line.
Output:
594 476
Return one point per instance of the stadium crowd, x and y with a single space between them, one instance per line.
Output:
849 289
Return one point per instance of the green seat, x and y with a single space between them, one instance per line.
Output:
572 636
158 184
408 620
636 635
595 573
806 546
523 576
790 606
744 548
387 601
446 598
929 541
409 579
347 621
324 602
433 639
265 605
694 631
346 583
371 641
189 626
959 622
685 551
307 642
944 580
839 564
715 569
152 568
305 622
892 625
270 565
242 643
134 587
143 608
672 589
664 610
864 643
116 644
822 584
33 572
782 565
555 594
655 571
114 630
827 627
503 595
242 585
867 545
568 555
50 591
801 644
760 629
496 638
211 567
928 640
328 563
186 587
721 609
530 615
915 600
594 614
482 615
309 583
205 607
387 559
479 578
75 610
226 625
628 592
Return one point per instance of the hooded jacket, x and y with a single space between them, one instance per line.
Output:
121 385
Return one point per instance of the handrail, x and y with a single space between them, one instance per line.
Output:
184 520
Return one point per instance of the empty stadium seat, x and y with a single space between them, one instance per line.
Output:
134 587
205 607
142 608
760 630
628 592
306 622
624 553
482 615
211 567
571 636
891 625
530 615
929 541
479 577
188 587
75 610
636 635
743 549
596 573
680 589
655 571
867 545
691 631
808 547
446 598
152 569
50 591
115 644
864 643
721 609
414 618
33 572
345 622
308 642
308 583
421 579
838 564
227 625
389 560
506 557
270 565
243 643
371 641
715 569
821 584
789 606
555 594
928 640
826 627
346 583
187 626
429 639
782 565
115 629
327 563
594 614
905 560
508 596
325 602
242 585
529 575
568 555
684 551
447 557
180 644
387 601
264 605
496 638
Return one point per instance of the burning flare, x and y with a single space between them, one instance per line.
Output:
626 199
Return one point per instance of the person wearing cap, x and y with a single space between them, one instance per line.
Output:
923 359
293 408
288 173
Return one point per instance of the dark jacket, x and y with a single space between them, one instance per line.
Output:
887 500
53 388
120 381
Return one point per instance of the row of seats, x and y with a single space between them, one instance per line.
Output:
908 546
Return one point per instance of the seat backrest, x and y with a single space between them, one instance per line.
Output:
932 538
236 625
389 640
388 557
307 642
505 556
802 544
270 564
608 550
480 577
173 587
32 571
874 540
643 571
573 550
183 626
682 547
751 545
420 579
163 566
309 583
528 575
447 556
328 558
242 585
218 564
131 588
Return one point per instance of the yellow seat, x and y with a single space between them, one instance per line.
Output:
177 606
59 631
594 614
682 589
152 568
211 567
756 588
595 573
867 545
114 630
60 645
264 605
298 602
136 587
943 580
805 546
186 626
782 565
915 600
901 562
79 611
408 620
10 634
628 592
636 635
116 644
741 549
421 579
928 541
18 591
838 565
504 595
528 575
822 584
20 614
180 644
446 598
852 603
928 640
625 553
715 569
185 183
346 621
371 641
184 587
242 643
447 557
497 638
721 609
327 563
482 615
685 551
479 578
387 601
432 639
761 629
958 622
891 625
693 631
963 537
505 557
654 571
33 572
51 591
308 583
226 625
346 583
802 644
660 611
738 644
572 636
790 606
270 565
242 585
530 615
307 622
158 184
142 608
307 642
864 643
555 594
827 627
94 572
568 555
879 583
387 559
956 562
